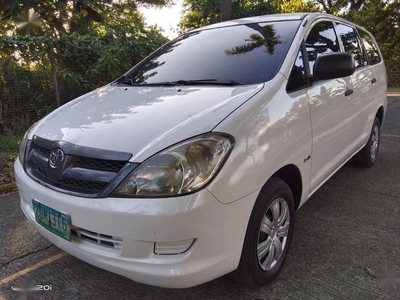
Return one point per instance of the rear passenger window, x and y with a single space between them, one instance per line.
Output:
321 40
370 47
348 35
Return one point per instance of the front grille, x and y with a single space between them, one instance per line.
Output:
43 151
99 239
76 173
88 186
100 164
41 171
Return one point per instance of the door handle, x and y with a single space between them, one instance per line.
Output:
348 92
373 80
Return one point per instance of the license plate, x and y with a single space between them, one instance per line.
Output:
53 220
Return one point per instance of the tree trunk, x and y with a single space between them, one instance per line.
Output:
54 73
1 119
356 5
226 10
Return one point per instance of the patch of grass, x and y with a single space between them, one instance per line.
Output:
8 147
9 144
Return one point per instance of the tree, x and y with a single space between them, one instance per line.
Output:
293 6
336 7
199 13
69 15
83 44
381 18
226 10
329 6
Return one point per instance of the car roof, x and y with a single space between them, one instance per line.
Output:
257 19
310 16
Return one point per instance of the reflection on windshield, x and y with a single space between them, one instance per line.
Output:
266 37
243 54
144 73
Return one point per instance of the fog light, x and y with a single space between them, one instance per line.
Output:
173 248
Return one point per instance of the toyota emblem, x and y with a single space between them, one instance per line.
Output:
56 157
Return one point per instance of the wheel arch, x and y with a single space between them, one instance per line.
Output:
291 175
380 114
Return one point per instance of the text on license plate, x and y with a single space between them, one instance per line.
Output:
53 220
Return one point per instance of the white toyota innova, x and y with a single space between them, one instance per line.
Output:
193 163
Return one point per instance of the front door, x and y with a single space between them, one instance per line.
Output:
331 108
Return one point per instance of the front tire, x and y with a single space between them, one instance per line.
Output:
368 155
268 235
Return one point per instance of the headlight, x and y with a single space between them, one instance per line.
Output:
181 169
22 145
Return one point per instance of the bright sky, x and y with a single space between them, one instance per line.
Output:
166 18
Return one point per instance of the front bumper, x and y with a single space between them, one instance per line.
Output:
218 230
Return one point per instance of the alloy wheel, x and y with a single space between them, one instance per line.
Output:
375 142
273 234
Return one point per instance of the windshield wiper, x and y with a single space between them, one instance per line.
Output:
124 80
205 82
155 83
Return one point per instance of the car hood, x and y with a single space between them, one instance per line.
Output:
142 120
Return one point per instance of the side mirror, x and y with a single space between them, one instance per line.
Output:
333 65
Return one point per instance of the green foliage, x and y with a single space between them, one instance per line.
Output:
293 6
90 43
383 21
83 62
199 13
74 80
95 43
9 144
69 15
9 147
382 18
101 58
22 93
337 7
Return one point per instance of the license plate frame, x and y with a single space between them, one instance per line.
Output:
57 222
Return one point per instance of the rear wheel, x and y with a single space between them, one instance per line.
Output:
268 235
368 155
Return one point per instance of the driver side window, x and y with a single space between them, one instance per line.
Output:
321 40
297 78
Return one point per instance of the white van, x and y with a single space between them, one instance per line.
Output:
193 163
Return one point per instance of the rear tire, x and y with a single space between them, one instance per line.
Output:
368 155
268 235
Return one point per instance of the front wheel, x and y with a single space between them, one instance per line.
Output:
368 155
268 235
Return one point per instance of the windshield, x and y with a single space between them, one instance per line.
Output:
242 54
